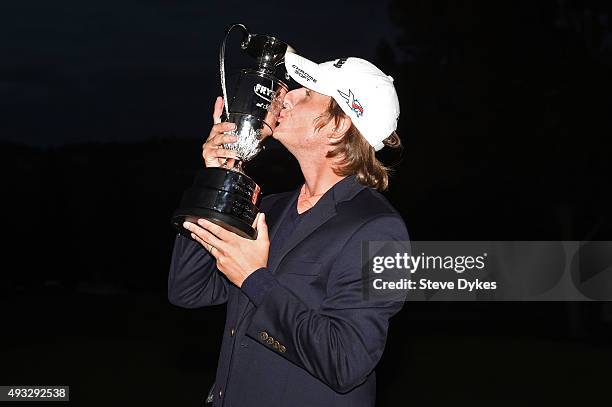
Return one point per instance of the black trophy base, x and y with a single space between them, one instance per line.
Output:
224 197
225 221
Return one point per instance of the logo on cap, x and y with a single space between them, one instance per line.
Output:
340 62
302 73
352 102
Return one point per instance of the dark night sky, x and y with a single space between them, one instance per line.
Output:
505 123
111 70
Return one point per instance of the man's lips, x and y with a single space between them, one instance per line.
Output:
283 113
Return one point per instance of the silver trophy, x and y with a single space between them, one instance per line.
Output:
226 195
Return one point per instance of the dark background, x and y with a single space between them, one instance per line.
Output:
105 104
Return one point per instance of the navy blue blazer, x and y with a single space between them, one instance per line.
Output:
299 332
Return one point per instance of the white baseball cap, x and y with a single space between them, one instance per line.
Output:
362 90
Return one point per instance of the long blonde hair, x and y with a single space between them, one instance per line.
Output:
355 155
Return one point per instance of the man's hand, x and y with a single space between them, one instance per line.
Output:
237 257
212 150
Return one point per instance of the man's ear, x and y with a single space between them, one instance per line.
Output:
344 124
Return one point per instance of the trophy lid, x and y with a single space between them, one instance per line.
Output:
268 50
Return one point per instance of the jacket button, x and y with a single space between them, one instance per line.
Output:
270 340
232 332
220 393
276 344
282 349
263 335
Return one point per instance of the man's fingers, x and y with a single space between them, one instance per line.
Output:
228 138
262 227
222 153
220 139
217 141
191 227
218 110
218 132
211 239
220 128
204 237
256 220
225 153
223 127
207 246
215 230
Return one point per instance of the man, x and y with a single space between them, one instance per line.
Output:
299 330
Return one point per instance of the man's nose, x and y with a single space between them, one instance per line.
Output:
289 100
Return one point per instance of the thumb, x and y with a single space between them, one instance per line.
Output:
262 227
218 110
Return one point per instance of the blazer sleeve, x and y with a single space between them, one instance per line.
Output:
194 280
341 341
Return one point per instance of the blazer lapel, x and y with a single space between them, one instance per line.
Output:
316 216
324 210
282 213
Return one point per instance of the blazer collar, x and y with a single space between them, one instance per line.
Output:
324 209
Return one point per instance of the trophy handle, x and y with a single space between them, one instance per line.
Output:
243 45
